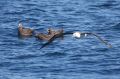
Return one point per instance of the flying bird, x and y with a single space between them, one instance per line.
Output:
76 35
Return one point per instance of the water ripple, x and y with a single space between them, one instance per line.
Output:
85 58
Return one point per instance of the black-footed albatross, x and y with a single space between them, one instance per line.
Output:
42 36
76 35
49 35
22 31
52 31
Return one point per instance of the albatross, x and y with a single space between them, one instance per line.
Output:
50 33
24 31
76 34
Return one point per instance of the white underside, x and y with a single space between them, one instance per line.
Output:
77 34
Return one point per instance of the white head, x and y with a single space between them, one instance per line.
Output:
77 34
20 25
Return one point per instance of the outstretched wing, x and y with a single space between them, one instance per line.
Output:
49 41
103 41
53 38
68 33
83 33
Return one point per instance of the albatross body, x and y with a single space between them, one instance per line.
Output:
53 32
24 31
42 36
76 35
49 35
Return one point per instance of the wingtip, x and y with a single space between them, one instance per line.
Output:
40 48
110 46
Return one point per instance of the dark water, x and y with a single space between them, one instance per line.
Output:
70 58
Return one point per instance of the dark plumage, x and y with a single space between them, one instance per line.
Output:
55 32
42 36
49 35
83 34
24 31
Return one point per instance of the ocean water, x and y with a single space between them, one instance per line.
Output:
70 58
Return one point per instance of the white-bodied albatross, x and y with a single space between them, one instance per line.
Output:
76 35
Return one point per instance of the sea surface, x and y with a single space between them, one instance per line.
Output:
70 58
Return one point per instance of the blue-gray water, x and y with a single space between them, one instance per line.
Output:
85 58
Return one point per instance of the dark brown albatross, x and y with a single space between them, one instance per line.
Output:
49 35
42 36
22 31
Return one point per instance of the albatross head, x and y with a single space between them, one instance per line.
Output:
77 34
20 25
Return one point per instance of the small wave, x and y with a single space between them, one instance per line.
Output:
109 71
23 57
55 54
106 4
116 27
6 64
